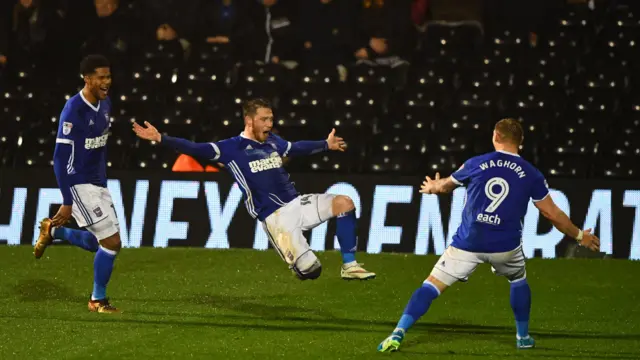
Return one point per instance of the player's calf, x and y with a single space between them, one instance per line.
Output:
417 306
102 268
344 209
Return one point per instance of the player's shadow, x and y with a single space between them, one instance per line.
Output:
280 307
530 354
42 290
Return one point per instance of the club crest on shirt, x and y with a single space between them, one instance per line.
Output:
66 128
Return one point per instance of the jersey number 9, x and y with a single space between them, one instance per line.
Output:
496 197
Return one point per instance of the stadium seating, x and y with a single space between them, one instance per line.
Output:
571 86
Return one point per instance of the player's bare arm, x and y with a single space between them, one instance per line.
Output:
437 185
561 221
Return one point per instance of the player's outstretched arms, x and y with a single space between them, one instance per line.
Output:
561 221
437 185
149 132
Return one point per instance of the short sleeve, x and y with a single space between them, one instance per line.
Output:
224 150
70 127
463 174
540 188
282 146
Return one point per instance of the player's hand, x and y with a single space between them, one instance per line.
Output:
63 216
336 143
147 132
429 185
590 241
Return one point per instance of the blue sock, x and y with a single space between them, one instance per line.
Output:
102 267
80 238
418 305
346 232
521 305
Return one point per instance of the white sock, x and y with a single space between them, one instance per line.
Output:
53 228
520 338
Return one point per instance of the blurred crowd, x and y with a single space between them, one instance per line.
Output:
318 32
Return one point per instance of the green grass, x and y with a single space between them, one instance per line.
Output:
242 304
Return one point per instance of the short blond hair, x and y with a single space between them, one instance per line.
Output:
510 131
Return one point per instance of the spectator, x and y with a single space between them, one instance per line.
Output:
111 31
384 32
170 20
3 47
35 31
326 31
5 25
225 22
419 11
274 31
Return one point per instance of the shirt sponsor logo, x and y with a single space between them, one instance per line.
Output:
272 162
95 143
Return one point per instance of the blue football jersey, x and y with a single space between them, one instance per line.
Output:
86 129
499 186
257 168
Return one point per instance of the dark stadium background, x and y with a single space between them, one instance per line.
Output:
567 70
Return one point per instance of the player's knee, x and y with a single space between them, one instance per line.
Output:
112 242
342 204
519 275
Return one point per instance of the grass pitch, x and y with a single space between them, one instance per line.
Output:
183 303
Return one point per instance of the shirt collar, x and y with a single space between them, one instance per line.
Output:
507 152
95 108
242 135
